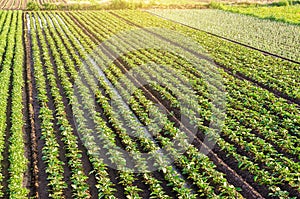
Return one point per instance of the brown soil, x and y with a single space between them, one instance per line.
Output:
5 154
31 180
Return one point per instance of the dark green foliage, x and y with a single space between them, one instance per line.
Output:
32 6
49 6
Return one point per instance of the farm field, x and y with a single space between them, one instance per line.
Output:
13 4
275 37
104 4
288 14
127 104
12 123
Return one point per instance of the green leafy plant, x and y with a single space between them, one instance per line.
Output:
32 6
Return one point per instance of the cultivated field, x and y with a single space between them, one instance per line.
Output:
13 4
23 4
289 14
148 104
277 38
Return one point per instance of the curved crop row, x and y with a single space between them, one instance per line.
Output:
273 73
107 72
273 152
148 178
111 124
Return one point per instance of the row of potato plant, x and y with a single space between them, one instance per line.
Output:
108 73
50 151
73 153
104 185
18 162
105 135
129 42
6 61
11 75
271 72
147 177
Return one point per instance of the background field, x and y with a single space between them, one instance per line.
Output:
289 14
111 4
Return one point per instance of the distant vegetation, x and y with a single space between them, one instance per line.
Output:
115 4
257 9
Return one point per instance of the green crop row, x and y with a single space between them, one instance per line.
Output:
140 113
18 162
273 73
50 150
234 134
11 121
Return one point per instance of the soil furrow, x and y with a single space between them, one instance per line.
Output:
5 154
87 166
31 142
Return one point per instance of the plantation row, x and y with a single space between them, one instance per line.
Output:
118 109
13 4
66 37
274 74
241 114
41 2
12 137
